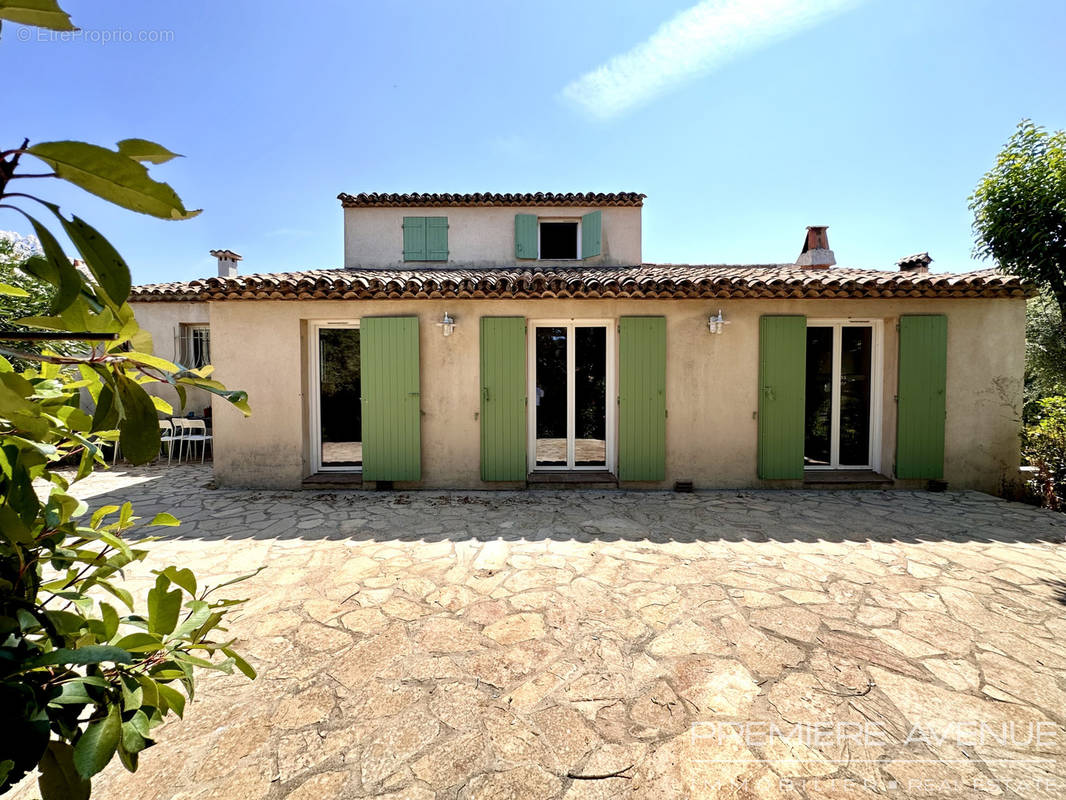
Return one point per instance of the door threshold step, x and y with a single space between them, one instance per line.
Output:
845 479
572 480
334 480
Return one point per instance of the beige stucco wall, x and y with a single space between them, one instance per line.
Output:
162 321
373 237
712 383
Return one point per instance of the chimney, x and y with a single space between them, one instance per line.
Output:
227 263
917 263
816 253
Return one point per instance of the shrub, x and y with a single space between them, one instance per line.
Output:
1045 448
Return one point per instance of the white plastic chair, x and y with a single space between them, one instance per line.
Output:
167 437
178 424
196 431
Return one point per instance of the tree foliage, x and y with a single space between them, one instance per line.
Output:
1020 209
1044 446
1045 353
86 670
25 295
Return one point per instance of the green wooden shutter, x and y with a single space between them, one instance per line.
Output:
414 238
503 399
923 363
591 235
782 386
642 398
436 238
392 415
525 235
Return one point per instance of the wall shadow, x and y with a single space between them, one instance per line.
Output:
587 516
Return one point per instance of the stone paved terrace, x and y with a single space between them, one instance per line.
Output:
510 645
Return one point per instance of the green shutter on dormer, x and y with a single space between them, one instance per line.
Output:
414 238
591 235
436 238
525 235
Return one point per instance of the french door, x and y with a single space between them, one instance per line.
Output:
842 413
336 386
571 375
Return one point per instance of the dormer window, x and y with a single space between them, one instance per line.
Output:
559 240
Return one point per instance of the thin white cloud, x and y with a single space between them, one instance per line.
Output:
693 43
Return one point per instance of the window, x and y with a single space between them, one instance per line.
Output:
554 239
558 241
194 345
425 238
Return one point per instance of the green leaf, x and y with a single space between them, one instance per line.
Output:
105 416
163 607
13 291
75 693
200 612
138 422
106 265
54 267
162 406
140 643
39 13
59 778
90 654
144 150
174 699
97 744
112 176
110 620
151 361
169 520
182 577
242 665
132 738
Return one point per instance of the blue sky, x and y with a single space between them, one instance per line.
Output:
876 118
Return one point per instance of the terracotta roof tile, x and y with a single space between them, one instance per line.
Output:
392 200
646 281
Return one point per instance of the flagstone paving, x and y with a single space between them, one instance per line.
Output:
474 645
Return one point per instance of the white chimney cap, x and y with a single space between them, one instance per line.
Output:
227 263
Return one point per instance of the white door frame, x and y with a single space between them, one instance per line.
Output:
611 367
877 359
314 388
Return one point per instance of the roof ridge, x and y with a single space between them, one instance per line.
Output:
416 199
594 281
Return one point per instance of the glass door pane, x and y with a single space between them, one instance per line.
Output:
856 345
340 411
590 397
817 450
551 400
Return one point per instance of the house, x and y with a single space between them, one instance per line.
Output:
506 340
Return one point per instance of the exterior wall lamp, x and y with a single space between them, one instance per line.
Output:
716 324
447 325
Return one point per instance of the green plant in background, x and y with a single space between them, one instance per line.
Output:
85 671
1020 210
1045 353
1045 448
26 296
